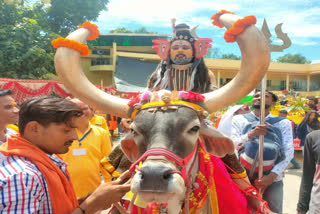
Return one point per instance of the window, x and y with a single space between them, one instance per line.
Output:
101 52
100 61
298 82
276 85
315 82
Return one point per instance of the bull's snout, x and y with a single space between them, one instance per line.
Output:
155 177
156 182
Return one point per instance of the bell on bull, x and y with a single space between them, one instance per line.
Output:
255 61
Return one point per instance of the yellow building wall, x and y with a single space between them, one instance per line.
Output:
96 76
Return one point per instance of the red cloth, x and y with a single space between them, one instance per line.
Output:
62 196
230 198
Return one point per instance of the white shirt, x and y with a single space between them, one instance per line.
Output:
226 120
9 132
239 122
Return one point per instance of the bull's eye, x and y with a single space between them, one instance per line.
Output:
194 129
134 132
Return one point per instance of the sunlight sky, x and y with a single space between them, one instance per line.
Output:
300 18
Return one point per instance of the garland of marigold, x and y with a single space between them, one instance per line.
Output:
238 27
93 28
78 46
216 17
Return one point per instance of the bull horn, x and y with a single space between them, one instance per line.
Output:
69 70
254 64
193 32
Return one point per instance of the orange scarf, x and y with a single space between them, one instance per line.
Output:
62 196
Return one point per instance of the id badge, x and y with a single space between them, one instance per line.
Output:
79 152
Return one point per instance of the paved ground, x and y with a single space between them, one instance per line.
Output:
291 190
292 182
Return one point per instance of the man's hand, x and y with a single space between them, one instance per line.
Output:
258 130
82 199
265 181
107 194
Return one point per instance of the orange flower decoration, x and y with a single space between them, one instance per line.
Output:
93 28
62 42
216 17
238 27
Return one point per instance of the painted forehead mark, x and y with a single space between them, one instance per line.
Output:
181 42
13 103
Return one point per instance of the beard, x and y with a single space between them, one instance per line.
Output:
181 61
258 106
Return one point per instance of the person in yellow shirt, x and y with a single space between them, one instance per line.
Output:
98 120
84 154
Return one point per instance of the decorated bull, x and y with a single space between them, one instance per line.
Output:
170 141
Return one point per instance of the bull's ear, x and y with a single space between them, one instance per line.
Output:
215 142
130 148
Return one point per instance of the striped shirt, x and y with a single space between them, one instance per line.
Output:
23 188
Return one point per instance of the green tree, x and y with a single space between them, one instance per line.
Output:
121 30
230 56
125 30
26 32
24 46
65 15
213 53
293 58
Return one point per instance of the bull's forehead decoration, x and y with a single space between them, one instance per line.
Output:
164 100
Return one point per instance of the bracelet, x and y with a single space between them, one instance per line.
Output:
216 17
62 42
82 210
93 28
238 27
239 175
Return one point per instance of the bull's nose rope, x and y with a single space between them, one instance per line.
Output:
181 162
163 152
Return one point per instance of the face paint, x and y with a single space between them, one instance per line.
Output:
13 103
181 52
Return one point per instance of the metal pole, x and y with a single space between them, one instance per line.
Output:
262 117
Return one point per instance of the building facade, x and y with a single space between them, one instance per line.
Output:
102 64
